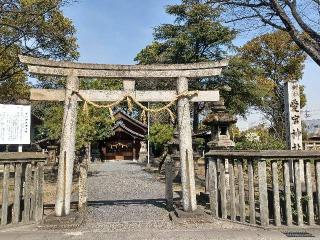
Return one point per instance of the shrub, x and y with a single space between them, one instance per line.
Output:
160 134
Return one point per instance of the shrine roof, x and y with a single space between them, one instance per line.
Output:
315 134
122 114
121 125
129 125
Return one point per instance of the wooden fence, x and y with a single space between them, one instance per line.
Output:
22 187
311 145
265 187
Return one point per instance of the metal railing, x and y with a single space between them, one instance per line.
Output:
265 187
22 187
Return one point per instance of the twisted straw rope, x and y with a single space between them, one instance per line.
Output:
129 98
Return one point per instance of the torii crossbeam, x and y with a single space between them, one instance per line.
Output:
128 73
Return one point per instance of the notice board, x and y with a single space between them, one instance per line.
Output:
15 122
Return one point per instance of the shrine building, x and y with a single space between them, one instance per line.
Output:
129 135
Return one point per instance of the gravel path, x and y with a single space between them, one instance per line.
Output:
126 202
121 191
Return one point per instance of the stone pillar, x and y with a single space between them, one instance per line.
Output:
143 154
67 149
293 122
186 152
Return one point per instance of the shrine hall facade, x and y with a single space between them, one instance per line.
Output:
125 144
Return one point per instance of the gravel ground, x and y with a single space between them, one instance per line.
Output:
120 192
122 197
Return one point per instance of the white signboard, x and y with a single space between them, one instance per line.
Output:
15 121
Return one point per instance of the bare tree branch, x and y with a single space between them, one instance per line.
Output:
279 14
302 24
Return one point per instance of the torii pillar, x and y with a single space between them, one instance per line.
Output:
67 147
186 151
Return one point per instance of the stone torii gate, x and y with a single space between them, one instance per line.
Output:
73 71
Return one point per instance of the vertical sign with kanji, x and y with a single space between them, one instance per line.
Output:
293 118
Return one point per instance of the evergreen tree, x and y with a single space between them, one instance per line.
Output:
195 36
36 28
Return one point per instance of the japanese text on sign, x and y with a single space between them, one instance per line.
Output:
15 121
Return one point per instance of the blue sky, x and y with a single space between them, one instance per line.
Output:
114 32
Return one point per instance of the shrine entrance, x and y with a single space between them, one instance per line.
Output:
121 146
129 136
180 73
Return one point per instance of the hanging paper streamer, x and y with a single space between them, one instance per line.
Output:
86 108
111 114
172 116
143 116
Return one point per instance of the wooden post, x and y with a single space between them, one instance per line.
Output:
39 192
169 166
67 149
287 191
276 196
5 194
309 182
298 193
263 192
34 191
83 179
223 189
17 193
317 167
242 203
233 212
252 205
213 186
27 193
186 152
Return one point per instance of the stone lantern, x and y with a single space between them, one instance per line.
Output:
220 121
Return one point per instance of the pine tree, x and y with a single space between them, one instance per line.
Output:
195 36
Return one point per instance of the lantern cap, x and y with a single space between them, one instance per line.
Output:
220 115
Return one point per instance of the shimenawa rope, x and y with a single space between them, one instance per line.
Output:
130 100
